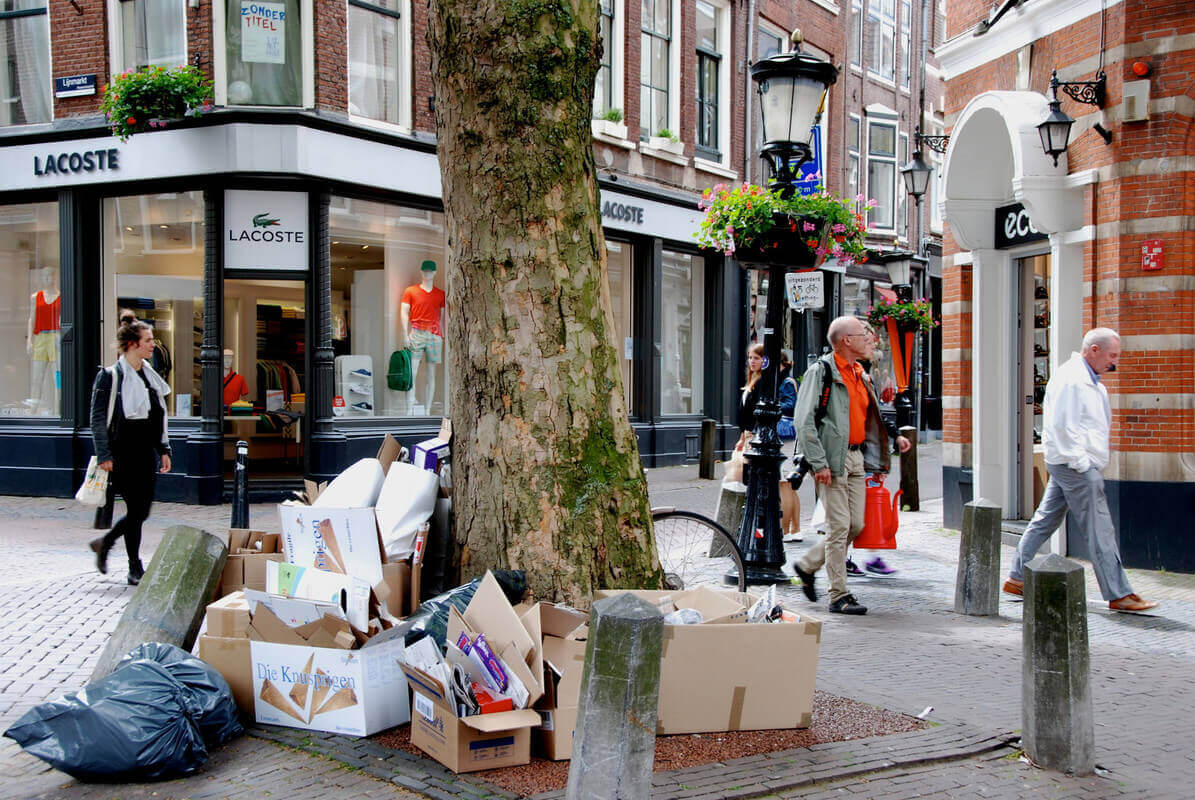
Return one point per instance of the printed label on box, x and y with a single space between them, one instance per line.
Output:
425 707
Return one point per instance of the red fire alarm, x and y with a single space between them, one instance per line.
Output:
1140 69
1151 254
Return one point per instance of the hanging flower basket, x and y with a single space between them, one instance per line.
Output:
153 97
762 226
902 321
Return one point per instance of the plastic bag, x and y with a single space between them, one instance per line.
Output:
734 467
153 717
431 618
94 491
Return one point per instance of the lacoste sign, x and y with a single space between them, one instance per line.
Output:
265 230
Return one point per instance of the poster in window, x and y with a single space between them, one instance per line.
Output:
263 33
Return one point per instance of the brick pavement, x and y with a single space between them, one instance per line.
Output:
910 652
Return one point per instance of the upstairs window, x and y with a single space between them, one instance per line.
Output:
881 173
709 66
655 68
603 90
881 28
264 44
25 66
378 36
906 44
153 33
855 43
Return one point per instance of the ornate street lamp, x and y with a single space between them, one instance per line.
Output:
1055 129
792 87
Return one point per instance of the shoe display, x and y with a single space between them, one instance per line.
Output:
878 568
853 571
101 554
363 406
362 373
1039 351
1041 320
805 580
1040 293
847 604
1014 587
1132 604
359 390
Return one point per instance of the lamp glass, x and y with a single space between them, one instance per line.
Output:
1055 131
789 105
916 175
899 270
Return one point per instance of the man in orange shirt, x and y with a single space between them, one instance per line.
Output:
842 444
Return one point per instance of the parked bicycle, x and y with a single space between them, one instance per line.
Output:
694 550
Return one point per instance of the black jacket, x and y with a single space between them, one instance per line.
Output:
104 434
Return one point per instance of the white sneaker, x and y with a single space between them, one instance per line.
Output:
359 390
794 537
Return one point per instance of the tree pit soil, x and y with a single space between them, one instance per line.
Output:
835 719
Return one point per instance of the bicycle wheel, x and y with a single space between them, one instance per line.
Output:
694 550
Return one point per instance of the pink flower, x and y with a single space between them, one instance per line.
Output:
838 228
809 226
730 230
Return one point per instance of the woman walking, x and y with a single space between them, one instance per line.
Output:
749 391
128 424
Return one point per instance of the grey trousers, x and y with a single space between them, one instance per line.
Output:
844 500
1083 494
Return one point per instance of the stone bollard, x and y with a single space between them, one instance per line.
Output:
910 489
977 586
169 604
1058 729
729 515
615 740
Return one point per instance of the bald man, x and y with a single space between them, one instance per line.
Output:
1076 420
842 447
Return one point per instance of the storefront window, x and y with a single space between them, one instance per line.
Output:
153 266
856 297
29 311
682 322
388 292
264 52
620 271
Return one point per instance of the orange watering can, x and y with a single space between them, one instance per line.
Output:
880 517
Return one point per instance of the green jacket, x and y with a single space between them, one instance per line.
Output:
825 445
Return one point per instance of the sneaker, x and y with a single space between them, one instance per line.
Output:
847 604
878 568
852 571
362 373
805 581
1014 587
359 390
794 537
363 406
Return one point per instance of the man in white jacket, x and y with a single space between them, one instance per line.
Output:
1075 428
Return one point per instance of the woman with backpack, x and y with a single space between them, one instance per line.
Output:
128 425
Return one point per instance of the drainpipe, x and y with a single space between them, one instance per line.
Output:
747 137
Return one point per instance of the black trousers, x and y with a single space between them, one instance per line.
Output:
134 474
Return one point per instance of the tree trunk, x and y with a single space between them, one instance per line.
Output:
546 470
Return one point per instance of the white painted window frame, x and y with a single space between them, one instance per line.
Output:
220 55
889 120
404 75
118 63
887 25
725 65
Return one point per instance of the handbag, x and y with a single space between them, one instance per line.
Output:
94 491
785 429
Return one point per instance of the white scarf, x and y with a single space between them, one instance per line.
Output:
135 398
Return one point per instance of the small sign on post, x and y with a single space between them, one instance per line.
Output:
1152 255
805 290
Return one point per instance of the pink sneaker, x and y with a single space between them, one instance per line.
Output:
878 568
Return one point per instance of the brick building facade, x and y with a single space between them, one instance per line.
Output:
1016 307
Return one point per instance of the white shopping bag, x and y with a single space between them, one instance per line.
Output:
818 523
94 491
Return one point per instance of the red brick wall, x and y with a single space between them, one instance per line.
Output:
78 46
331 55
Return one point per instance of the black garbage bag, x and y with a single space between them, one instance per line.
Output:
431 618
148 719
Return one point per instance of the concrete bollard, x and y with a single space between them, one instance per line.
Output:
1058 729
910 489
168 606
977 586
729 515
615 740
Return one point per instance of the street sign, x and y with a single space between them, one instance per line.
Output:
805 289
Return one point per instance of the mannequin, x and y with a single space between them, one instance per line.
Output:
45 307
422 312
234 385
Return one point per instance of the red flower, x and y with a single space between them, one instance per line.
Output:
131 120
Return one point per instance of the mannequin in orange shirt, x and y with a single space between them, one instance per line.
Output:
422 314
41 343
234 385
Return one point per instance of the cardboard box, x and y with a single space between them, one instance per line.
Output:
352 692
248 553
564 632
230 657
430 454
343 540
228 617
735 676
468 744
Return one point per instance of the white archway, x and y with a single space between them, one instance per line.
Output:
995 158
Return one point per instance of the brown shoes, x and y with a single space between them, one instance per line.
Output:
1132 603
1015 587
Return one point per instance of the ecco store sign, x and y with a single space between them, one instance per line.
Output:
1013 227
265 230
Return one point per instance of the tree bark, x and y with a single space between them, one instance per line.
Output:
546 470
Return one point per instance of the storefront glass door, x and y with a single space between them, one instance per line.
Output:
1033 372
265 376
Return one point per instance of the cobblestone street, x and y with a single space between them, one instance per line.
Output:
909 653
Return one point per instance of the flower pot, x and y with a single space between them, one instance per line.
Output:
605 127
785 243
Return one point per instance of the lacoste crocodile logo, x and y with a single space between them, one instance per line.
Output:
263 220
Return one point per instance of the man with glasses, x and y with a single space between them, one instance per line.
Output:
842 445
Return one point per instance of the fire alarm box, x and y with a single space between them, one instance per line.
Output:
1152 256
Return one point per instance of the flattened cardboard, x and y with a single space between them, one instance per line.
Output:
230 657
735 668
228 617
334 539
489 612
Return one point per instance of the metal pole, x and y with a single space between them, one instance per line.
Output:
240 487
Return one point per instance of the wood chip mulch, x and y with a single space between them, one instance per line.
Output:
835 719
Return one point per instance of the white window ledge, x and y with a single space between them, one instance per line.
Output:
830 6
714 168
613 141
668 152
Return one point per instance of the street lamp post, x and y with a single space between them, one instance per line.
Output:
792 87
